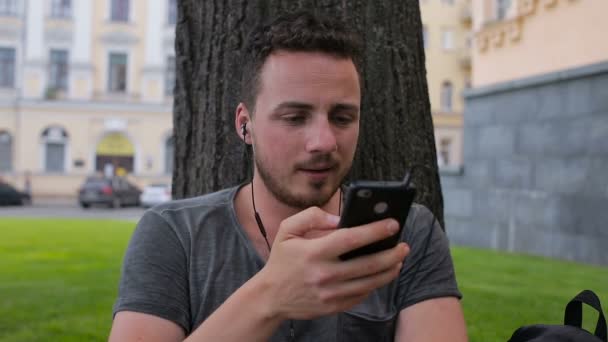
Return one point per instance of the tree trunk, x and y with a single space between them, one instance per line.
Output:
396 123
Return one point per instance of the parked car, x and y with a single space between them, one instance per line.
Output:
115 192
11 196
154 194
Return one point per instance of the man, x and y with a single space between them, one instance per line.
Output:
260 261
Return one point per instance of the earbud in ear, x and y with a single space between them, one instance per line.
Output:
244 130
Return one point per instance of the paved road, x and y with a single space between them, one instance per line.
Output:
69 209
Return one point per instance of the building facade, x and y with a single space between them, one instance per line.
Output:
85 87
535 126
447 36
521 38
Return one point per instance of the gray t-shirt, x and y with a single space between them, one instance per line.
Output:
187 257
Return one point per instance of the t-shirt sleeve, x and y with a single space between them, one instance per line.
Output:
428 271
154 273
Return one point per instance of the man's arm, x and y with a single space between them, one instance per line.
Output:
438 319
428 296
136 326
241 317
303 279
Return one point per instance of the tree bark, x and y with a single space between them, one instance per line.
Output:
396 122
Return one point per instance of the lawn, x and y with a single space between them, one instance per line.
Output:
58 282
58 278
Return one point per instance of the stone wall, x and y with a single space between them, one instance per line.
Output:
535 176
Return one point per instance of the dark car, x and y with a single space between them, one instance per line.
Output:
11 196
115 192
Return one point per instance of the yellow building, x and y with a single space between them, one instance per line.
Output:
521 38
85 86
446 31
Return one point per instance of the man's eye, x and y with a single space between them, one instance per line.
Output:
343 119
294 119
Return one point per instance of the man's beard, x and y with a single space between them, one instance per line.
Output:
280 190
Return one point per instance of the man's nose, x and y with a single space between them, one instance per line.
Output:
322 137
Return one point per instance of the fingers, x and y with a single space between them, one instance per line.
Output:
343 295
347 239
364 285
305 221
370 264
338 271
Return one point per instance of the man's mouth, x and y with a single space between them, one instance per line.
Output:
318 173
318 169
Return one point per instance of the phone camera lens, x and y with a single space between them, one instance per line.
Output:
364 193
380 208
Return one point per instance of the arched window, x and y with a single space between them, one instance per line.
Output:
446 96
169 154
54 142
115 154
6 151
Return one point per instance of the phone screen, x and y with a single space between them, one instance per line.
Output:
370 201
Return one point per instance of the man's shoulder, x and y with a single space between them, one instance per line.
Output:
419 221
418 212
195 205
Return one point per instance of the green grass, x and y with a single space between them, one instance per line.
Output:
58 278
58 281
504 291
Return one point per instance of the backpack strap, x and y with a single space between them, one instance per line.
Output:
574 312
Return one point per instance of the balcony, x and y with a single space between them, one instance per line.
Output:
54 93
116 97
464 58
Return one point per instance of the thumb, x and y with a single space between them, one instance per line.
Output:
311 219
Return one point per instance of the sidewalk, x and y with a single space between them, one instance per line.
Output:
48 201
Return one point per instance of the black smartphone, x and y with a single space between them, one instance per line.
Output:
369 201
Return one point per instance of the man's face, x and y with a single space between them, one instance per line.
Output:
305 125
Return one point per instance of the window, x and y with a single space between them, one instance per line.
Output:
119 10
447 39
170 76
425 36
54 140
8 7
443 158
502 7
58 70
468 41
446 96
172 13
6 152
7 67
61 8
169 143
117 78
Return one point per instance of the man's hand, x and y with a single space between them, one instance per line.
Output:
304 277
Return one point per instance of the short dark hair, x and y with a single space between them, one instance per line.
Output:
300 31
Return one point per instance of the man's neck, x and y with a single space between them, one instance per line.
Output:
271 210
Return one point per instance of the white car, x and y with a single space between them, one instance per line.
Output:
154 194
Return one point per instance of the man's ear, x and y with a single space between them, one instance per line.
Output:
242 123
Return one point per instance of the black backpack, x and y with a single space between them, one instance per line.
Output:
571 331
